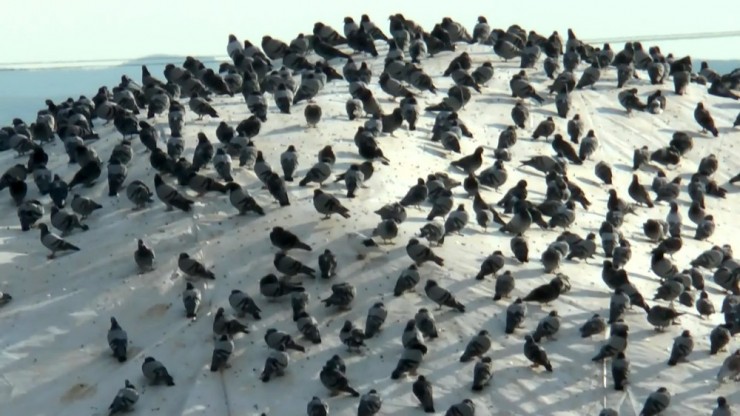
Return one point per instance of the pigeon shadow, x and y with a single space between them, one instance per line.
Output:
285 130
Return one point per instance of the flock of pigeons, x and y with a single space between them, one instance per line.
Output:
253 72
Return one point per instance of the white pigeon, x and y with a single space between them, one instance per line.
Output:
362 244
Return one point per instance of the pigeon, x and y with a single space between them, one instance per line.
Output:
276 186
638 192
705 120
275 364
289 163
545 293
661 317
482 373
222 350
441 296
308 327
140 194
723 408
281 341
704 305
470 163
416 195
705 228
335 381
328 204
387 230
84 206
170 196
230 327
375 318
464 408
286 240
423 391
312 113
342 295
491 265
515 315
242 201
620 371
588 146
593 326
730 368
193 268
547 327
327 264
201 107
144 257
243 304
683 345
117 340
29 212
656 402
317 407
156 372
272 287
425 322
478 345
191 300
65 222
370 404
504 285
420 253
545 129
54 242
520 248
125 399
616 343
536 354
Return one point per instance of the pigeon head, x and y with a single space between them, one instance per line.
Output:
148 359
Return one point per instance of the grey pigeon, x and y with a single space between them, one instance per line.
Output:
515 315
723 408
536 354
424 320
547 327
327 264
719 338
289 163
730 368
593 326
387 230
286 240
222 350
335 381
156 372
139 194
275 365
420 253
423 391
704 305
117 340
230 327
683 345
65 222
193 268
317 407
84 206
342 295
376 316
491 265
328 204
482 373
170 196
442 296
661 317
477 346
191 300
243 304
620 371
370 404
656 403
242 200
616 343
407 280
54 242
308 327
505 284
281 341
144 257
125 399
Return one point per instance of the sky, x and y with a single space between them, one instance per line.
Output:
52 30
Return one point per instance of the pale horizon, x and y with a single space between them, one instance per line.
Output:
89 30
